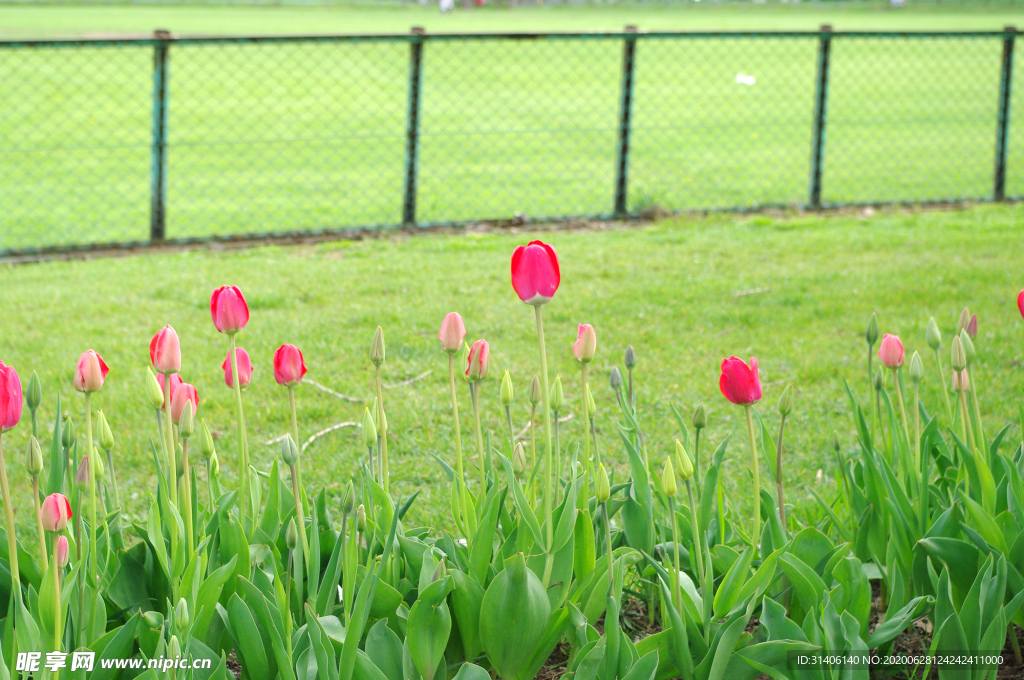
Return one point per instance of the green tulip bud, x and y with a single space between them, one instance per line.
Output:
101 468
291 535
67 433
153 619
519 459
872 332
361 518
214 464
440 573
965 318
154 392
173 648
630 358
84 475
106 436
615 379
535 395
835 441
958 359
33 457
187 422
506 389
878 380
786 401
369 430
377 347
348 498
700 417
289 450
181 618
968 344
34 392
602 489
556 395
932 335
668 479
591 404
206 446
916 368
683 461
382 424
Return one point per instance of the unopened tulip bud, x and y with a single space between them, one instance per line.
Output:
535 394
84 474
586 344
556 396
181 617
668 479
105 435
602 490
206 446
214 464
34 392
153 389
291 535
968 344
891 351
700 417
33 457
506 389
478 360
786 401
615 379
173 648
916 368
348 498
591 404
382 425
961 381
186 425
289 450
835 441
440 573
453 332
958 358
872 332
965 318
90 372
972 327
361 518
369 430
377 347
519 459
62 553
101 468
55 512
153 619
879 380
67 433
683 461
630 358
932 335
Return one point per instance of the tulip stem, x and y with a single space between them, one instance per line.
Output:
696 458
558 445
58 608
463 501
511 435
94 560
117 495
243 445
608 540
755 469
39 519
186 490
903 410
593 433
549 473
382 432
677 599
12 540
474 390
172 473
778 474
942 387
920 460
300 515
533 451
587 419
979 433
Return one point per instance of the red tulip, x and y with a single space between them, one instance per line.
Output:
586 343
61 553
165 351
535 275
184 394
891 351
740 383
90 372
244 368
1020 302
453 331
55 512
10 397
175 384
289 366
228 308
478 361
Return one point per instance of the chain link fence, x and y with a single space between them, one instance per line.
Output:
123 142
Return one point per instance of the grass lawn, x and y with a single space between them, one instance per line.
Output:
795 291
302 136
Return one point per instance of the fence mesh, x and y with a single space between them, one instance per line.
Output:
292 135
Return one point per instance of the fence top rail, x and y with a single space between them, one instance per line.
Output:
423 36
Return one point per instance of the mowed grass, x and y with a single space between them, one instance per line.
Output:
794 291
277 137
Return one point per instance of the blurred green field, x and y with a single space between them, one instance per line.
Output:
794 291
277 137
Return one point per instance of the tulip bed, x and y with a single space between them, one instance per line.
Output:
237 556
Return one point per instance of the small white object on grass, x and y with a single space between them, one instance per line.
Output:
743 79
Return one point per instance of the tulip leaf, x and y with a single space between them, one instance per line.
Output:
645 668
732 582
584 547
984 524
467 599
251 649
55 484
522 505
482 548
469 671
896 622
514 601
430 625
384 649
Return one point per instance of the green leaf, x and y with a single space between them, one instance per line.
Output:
808 585
515 601
645 668
119 647
895 623
469 671
584 555
251 650
385 650
55 483
733 580
467 599
430 625
523 505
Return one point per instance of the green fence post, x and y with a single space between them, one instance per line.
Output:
412 130
1003 120
158 169
625 109
818 131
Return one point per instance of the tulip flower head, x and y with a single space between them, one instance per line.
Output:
960 379
535 393
61 553
453 332
106 436
289 365
669 487
228 309
785 406
615 378
965 318
34 392
972 327
55 512
206 445
10 397
185 395
700 417
932 335
916 368
478 361
556 396
506 388
602 489
33 457
871 335
629 358
965 340
683 461
739 382
154 391
244 369
1020 303
186 422
586 343
891 351
958 359
535 275
90 372
165 351
377 347
84 474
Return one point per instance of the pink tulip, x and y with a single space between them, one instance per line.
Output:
961 378
289 366
90 372
478 361
55 512
739 382
453 332
10 397
244 368
972 327
175 383
184 394
165 351
586 343
228 308
535 275
84 473
891 351
1020 302
61 553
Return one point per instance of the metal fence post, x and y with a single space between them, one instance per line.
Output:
818 131
625 109
158 170
1003 120
412 130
